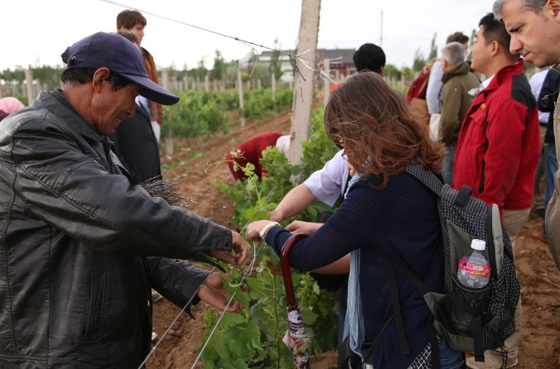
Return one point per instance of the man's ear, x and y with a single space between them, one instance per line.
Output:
99 77
554 6
495 48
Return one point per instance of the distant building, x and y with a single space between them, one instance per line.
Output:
341 63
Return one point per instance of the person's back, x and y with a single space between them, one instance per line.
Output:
137 147
458 95
251 152
435 84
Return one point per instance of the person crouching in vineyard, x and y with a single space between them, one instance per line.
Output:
386 212
250 151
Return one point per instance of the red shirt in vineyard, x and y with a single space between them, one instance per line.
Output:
251 151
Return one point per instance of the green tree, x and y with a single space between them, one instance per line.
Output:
433 48
419 61
218 70
472 40
407 73
275 66
391 71
200 71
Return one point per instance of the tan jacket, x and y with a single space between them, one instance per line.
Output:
157 113
552 218
456 100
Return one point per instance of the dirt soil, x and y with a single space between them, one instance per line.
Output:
540 280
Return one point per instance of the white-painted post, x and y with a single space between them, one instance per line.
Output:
206 82
29 86
186 82
326 82
240 92
303 91
165 78
169 137
273 85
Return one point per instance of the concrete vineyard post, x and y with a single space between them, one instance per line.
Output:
303 90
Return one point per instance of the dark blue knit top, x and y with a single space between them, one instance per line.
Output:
402 221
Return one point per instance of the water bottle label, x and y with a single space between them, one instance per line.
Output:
474 270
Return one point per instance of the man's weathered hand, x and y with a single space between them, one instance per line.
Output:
213 293
239 245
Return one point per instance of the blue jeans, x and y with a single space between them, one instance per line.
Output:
449 358
341 298
448 160
551 166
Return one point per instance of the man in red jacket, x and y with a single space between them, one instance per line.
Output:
499 144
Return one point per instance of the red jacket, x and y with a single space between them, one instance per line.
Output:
499 142
252 153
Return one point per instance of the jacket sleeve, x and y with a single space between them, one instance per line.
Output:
434 86
450 109
176 280
507 120
74 193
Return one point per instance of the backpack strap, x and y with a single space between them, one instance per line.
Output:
421 287
464 196
432 181
490 244
405 349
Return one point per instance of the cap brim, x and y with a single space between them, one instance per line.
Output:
152 91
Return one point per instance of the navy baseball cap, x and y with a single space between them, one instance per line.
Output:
121 56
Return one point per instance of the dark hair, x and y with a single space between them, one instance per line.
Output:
129 36
495 30
369 57
379 133
129 18
457 37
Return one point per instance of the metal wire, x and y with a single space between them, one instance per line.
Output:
247 272
175 320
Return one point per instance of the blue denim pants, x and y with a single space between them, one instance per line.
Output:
551 166
449 358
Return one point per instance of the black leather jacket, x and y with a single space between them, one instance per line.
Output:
78 246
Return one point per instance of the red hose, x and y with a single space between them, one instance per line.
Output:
286 273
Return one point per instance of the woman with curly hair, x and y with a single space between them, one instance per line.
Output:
386 212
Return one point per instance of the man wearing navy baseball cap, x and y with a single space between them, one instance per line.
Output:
80 247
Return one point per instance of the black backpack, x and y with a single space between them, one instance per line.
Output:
491 309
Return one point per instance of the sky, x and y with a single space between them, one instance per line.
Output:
36 32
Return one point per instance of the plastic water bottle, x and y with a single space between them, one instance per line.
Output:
473 272
474 268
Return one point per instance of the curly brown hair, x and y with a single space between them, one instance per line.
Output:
379 133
